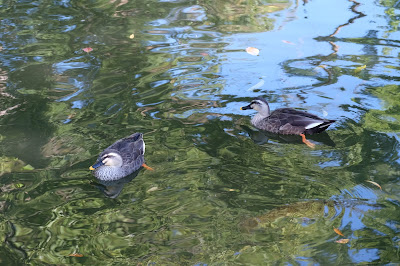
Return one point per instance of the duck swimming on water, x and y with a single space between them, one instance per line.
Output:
120 159
286 121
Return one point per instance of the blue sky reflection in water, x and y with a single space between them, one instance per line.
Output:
221 192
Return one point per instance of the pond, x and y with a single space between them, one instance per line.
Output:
75 76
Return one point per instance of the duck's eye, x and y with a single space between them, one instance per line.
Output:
106 156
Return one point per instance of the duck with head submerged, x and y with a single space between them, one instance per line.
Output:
120 159
286 121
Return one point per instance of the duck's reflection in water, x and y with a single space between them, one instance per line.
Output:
112 189
262 137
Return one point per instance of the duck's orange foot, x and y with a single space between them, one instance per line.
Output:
147 167
307 142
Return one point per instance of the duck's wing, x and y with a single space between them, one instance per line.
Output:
130 148
290 112
297 122
134 148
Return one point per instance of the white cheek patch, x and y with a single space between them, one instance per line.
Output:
313 125
112 159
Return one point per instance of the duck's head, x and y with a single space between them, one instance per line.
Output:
259 104
109 159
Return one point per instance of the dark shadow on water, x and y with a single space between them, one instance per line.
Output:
112 189
262 137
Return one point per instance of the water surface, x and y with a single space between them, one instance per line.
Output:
222 192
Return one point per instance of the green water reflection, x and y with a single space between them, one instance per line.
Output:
221 192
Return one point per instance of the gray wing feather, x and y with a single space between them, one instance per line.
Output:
130 148
290 121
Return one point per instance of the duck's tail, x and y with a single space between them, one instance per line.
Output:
320 127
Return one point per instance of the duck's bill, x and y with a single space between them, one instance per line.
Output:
96 165
245 107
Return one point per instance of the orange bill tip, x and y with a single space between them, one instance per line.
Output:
91 168
241 108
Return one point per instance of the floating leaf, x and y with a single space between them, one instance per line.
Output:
19 185
132 36
374 183
28 167
358 69
337 231
75 255
343 241
70 116
231 189
252 51
257 86
288 42
87 49
152 189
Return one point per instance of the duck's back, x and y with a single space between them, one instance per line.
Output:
131 149
290 112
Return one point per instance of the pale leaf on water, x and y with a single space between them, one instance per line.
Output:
284 41
132 36
374 183
252 51
231 189
257 86
87 49
343 241
152 189
76 255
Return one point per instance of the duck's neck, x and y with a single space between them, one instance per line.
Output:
265 111
258 118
